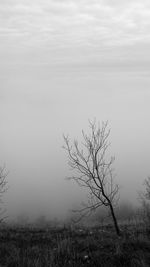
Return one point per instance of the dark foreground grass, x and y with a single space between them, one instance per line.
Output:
73 249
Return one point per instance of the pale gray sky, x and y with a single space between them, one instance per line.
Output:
63 62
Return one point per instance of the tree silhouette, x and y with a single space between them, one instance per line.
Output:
93 170
3 189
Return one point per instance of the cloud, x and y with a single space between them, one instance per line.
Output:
73 23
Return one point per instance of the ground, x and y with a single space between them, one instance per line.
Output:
63 247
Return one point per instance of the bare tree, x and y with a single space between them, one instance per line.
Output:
93 170
3 189
145 200
147 185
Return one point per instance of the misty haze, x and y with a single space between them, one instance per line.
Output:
64 66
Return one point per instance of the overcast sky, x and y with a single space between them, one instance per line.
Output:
64 62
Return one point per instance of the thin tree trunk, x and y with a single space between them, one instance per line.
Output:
114 220
112 214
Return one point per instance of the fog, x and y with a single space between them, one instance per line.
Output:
53 79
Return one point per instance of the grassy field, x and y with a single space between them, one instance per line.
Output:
62 247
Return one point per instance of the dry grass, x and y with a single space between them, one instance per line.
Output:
71 249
